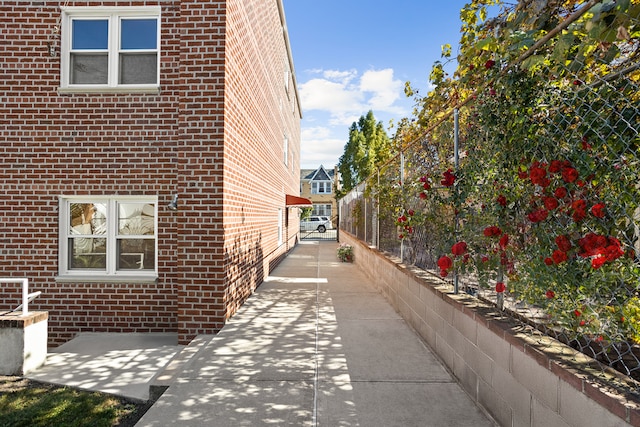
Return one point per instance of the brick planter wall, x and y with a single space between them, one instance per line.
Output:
515 375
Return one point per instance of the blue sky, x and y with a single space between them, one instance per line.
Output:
352 56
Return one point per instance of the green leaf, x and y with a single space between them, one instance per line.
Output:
533 61
487 44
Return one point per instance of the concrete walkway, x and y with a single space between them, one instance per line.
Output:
316 345
121 364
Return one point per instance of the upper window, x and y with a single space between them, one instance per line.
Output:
107 237
110 48
321 187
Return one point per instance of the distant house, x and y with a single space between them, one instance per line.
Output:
318 185
135 140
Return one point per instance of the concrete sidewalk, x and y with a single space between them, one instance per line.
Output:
121 364
315 345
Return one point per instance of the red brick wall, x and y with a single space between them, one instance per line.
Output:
138 144
260 114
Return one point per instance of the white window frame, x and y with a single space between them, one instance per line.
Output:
316 186
321 209
110 273
113 15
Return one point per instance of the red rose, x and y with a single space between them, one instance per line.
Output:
459 248
569 174
560 193
598 210
550 203
538 216
577 313
597 262
500 287
502 201
559 256
614 250
563 242
593 244
579 215
537 175
548 261
579 205
550 294
448 178
485 258
492 231
426 186
489 64
423 196
555 166
504 241
411 212
585 144
445 263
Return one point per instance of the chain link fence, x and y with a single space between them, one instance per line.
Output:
525 189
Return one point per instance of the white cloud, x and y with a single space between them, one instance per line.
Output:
333 99
346 95
342 76
386 91
320 147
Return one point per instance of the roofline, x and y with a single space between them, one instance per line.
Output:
285 31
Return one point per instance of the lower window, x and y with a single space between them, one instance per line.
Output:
108 236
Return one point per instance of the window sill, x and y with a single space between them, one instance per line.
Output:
91 278
109 90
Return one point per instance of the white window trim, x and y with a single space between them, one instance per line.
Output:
111 274
326 185
113 14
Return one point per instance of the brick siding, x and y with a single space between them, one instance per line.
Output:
213 135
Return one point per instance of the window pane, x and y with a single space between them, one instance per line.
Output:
138 68
88 218
138 34
136 254
90 34
87 253
136 219
89 69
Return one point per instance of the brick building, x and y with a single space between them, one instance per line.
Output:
114 113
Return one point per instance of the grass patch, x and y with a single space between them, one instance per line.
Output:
29 403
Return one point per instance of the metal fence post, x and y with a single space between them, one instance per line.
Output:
456 162
402 189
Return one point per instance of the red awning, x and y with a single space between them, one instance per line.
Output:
297 201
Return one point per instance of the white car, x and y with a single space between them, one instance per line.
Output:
313 223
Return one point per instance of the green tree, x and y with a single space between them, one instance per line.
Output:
368 147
